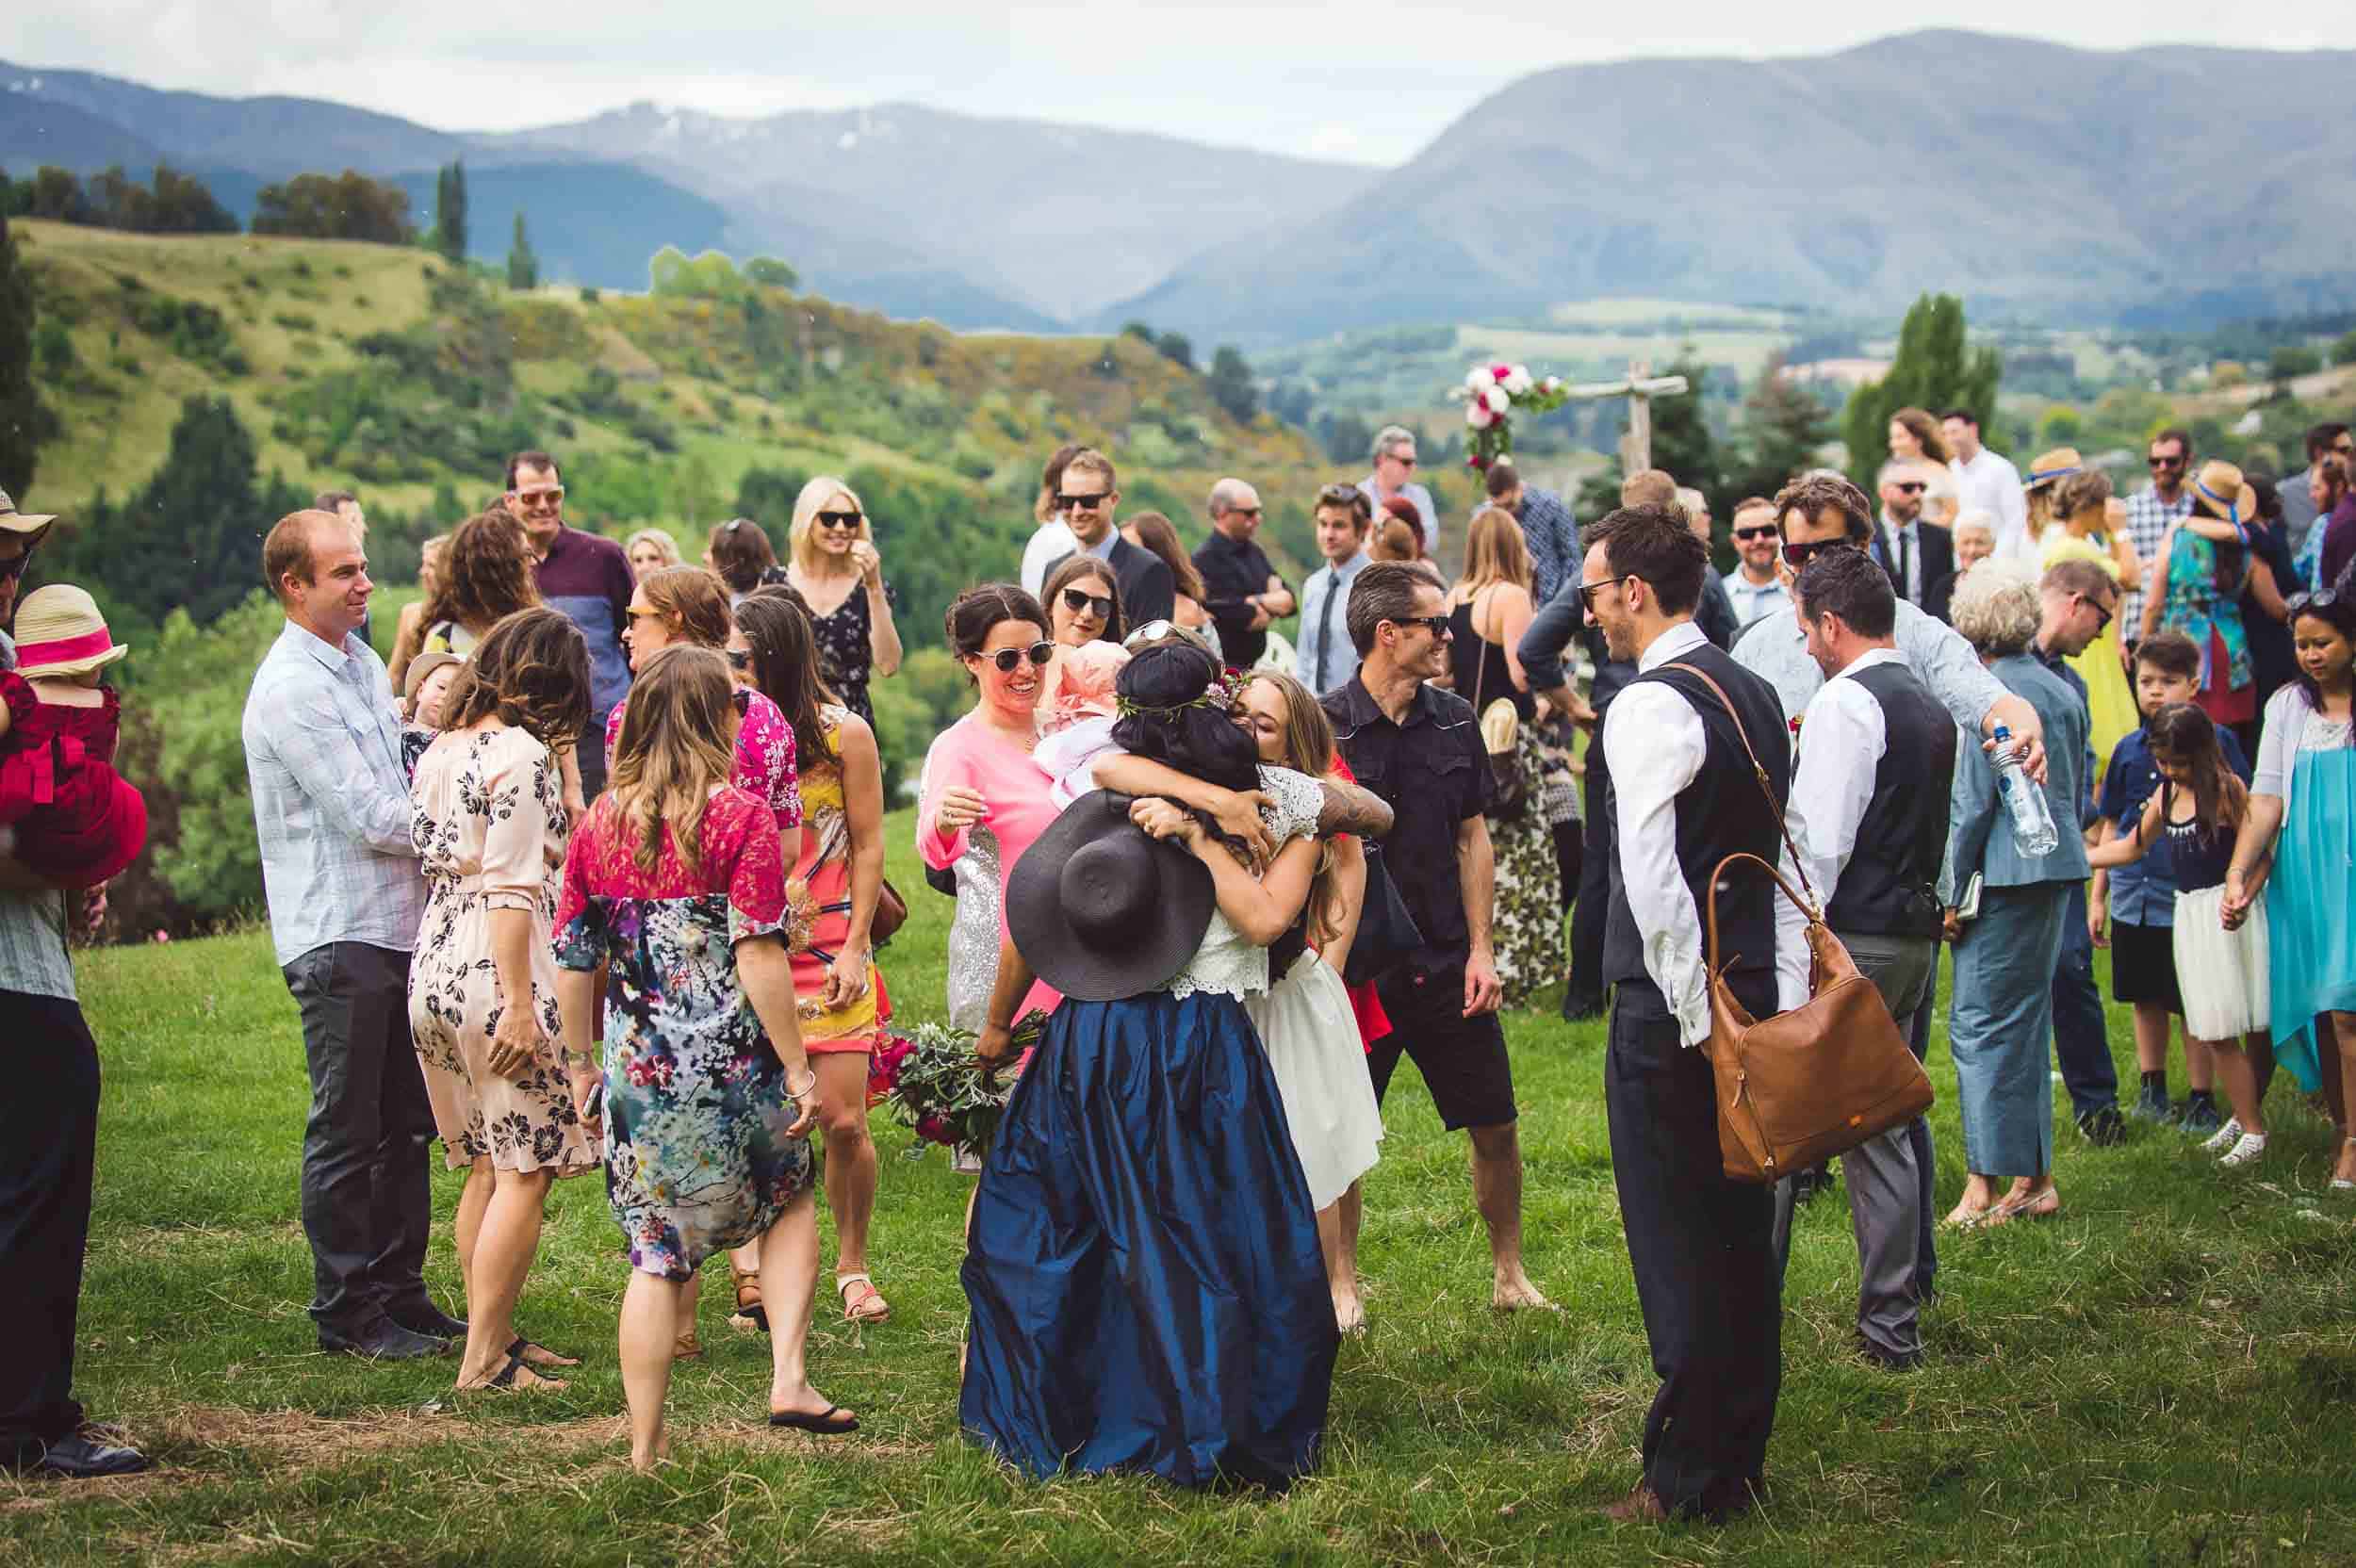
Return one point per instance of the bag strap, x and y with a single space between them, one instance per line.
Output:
1806 906
1758 771
1480 673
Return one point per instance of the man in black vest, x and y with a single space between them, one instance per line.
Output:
1685 794
1867 814
1089 492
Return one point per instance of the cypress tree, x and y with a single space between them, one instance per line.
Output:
26 421
523 268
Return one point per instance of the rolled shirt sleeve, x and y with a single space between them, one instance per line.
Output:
1944 659
1841 741
1654 745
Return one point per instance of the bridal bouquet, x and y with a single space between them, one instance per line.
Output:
938 1085
1492 395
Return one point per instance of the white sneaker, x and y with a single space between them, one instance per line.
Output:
2247 1151
2224 1138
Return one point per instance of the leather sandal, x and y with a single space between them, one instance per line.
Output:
749 1312
504 1379
870 1308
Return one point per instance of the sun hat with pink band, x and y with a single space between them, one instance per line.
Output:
59 633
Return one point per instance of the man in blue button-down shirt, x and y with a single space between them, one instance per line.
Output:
331 806
1324 658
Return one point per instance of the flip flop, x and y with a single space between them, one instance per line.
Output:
504 1379
818 1423
520 1349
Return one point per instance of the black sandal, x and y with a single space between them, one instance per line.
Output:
505 1377
520 1347
818 1423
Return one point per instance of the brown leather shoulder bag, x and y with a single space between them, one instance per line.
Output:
1799 1087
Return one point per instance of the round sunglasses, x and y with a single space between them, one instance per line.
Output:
1007 659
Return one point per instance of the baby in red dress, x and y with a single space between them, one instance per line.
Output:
74 819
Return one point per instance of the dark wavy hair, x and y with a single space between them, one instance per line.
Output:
485 574
2336 609
975 613
530 669
741 552
1075 566
1164 719
785 666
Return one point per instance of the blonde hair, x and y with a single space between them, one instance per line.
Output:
1308 747
801 541
672 752
660 538
1496 551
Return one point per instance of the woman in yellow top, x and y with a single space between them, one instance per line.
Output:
831 894
2078 522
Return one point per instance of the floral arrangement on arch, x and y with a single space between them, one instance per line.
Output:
1492 395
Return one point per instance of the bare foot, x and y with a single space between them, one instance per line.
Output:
1349 1314
805 1401
540 1355
523 1381
2026 1201
644 1462
1514 1292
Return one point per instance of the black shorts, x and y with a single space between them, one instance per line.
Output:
1462 1059
2143 966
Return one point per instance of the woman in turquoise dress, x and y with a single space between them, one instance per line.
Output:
677 883
2302 807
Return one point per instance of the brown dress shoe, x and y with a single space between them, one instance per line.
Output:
1642 1503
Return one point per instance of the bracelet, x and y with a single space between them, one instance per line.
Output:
802 1093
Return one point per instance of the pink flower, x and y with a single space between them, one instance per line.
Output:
1499 372
934 1128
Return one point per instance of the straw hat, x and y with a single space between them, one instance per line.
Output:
2056 464
2219 490
61 632
13 521
413 679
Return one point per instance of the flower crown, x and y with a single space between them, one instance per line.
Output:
1219 697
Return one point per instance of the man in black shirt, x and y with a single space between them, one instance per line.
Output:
1419 748
1245 591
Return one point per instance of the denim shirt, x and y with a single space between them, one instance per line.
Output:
1979 829
2144 893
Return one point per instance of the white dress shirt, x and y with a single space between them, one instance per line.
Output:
1654 745
1893 532
1052 543
1842 736
1990 484
1325 626
1775 650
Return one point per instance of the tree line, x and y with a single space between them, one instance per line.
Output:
170 203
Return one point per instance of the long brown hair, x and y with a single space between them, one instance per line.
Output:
1308 747
692 600
2184 734
1925 430
485 574
673 750
1156 533
1495 551
741 552
531 671
1073 568
785 668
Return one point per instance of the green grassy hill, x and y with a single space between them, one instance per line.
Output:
383 371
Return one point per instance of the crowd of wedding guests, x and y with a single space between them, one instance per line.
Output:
590 877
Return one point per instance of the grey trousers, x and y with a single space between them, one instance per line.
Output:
1885 1184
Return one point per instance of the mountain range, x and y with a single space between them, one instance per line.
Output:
2037 180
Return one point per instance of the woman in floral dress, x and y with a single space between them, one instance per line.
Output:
833 889
677 883
489 824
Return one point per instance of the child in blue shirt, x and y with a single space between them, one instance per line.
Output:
2139 900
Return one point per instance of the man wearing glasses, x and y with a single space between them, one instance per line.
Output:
1755 587
1245 593
1393 475
1085 498
588 577
2151 512
1916 557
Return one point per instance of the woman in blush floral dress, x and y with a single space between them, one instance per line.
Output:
489 823
677 883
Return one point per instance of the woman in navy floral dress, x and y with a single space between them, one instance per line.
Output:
676 880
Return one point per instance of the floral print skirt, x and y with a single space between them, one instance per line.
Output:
1528 925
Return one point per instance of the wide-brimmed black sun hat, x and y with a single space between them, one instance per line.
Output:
1100 908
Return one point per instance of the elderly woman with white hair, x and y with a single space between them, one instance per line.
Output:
1976 541
833 564
2005 910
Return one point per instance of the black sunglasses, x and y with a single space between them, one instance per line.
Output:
1006 659
1911 487
1081 504
2165 462
1244 511
1796 554
838 519
1079 599
1766 531
740 658
1402 462
2103 611
1587 591
10 570
1436 625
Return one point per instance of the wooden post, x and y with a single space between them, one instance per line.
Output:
1640 387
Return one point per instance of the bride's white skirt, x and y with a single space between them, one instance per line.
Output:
1311 1038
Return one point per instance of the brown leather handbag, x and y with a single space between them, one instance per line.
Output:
1799 1087
892 912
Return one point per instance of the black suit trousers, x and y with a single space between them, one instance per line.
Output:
1703 1249
48 1147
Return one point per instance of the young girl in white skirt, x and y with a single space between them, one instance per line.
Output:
2192 819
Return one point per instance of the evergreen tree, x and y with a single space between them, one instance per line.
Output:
1232 386
1681 443
523 268
26 421
1175 347
449 212
1783 429
1935 369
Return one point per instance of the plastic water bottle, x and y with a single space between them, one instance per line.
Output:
2031 819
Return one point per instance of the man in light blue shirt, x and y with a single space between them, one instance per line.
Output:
331 807
1755 587
1394 471
1324 659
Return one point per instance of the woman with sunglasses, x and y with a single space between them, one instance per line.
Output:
983 800
838 574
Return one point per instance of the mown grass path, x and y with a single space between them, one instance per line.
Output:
2165 1373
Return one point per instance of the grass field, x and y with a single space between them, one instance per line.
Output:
2163 1374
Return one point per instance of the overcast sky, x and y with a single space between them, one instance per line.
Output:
1370 82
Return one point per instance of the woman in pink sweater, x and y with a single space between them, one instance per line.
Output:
983 800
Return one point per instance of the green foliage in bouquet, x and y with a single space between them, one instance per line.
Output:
938 1085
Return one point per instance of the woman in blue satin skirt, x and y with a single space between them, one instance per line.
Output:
1142 1261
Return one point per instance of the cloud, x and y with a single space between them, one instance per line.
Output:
1334 142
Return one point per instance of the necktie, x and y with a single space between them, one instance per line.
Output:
1906 566
1325 623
